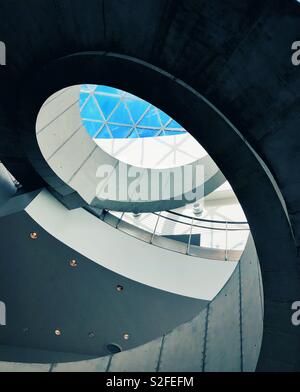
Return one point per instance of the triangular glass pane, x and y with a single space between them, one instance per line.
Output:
137 108
92 127
104 134
169 133
174 124
151 119
121 116
91 111
120 132
164 117
107 104
83 97
88 87
84 87
134 134
146 132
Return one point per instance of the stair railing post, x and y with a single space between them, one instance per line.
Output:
226 245
153 234
190 237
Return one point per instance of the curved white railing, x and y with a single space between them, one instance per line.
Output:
212 239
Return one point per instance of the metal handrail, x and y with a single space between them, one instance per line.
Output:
159 215
207 220
204 227
190 237
226 242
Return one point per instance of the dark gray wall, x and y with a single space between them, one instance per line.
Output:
42 293
226 336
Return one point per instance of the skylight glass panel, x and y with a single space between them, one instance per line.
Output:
108 113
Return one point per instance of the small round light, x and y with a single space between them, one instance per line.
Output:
73 263
197 208
91 334
57 332
126 336
119 288
33 235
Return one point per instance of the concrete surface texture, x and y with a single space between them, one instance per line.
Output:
196 345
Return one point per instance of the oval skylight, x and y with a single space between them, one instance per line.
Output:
110 113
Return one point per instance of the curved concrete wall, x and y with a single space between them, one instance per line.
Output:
197 345
43 291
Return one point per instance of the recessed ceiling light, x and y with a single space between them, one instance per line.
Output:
120 288
33 235
126 336
73 263
57 332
